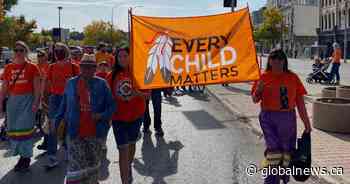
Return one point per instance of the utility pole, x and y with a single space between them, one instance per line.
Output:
59 22
346 32
112 26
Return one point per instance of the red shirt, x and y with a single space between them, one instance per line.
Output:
103 75
59 74
87 127
274 86
130 106
25 81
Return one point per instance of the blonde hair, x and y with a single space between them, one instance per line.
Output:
65 48
24 45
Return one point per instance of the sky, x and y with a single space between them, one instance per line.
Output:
78 13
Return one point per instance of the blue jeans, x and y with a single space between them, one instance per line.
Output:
54 103
156 97
335 71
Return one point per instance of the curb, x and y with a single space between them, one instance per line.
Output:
258 132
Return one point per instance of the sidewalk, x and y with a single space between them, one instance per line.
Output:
328 149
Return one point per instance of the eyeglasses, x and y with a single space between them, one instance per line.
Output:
19 50
40 55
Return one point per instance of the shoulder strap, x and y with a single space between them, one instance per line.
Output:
17 76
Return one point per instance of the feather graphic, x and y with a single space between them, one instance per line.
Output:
159 54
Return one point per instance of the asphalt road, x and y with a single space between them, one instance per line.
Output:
204 144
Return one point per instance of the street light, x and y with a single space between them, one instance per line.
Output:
59 21
346 32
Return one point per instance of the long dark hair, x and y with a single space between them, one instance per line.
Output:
117 67
280 55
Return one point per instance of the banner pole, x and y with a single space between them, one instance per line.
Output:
129 22
232 6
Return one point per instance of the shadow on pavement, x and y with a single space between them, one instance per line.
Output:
238 90
36 174
344 137
172 101
199 96
157 161
202 120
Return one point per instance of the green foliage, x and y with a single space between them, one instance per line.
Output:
272 28
15 28
8 4
100 31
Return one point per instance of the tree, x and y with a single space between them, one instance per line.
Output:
77 36
15 28
270 32
5 6
8 4
100 31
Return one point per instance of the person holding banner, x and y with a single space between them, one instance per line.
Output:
21 83
279 91
127 119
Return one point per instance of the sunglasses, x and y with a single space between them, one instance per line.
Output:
19 50
40 55
59 50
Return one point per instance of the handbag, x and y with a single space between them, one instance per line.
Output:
301 159
4 102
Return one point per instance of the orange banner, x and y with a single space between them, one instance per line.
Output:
168 52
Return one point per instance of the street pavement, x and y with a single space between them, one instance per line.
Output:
328 149
204 143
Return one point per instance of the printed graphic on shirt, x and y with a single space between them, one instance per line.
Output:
124 89
284 97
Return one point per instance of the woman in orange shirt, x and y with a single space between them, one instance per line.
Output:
21 82
43 66
58 75
279 92
127 119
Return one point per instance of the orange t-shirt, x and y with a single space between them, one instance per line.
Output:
336 55
103 75
75 61
59 74
100 56
280 91
87 127
129 106
44 69
24 83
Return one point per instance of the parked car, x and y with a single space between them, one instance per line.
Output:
5 55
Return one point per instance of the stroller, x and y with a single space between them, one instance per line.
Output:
320 74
